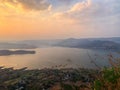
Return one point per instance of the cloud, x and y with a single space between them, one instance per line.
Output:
80 6
93 16
87 11
26 4
61 1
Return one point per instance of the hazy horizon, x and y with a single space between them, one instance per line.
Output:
13 40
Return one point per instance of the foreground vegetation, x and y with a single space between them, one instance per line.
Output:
45 79
62 79
109 78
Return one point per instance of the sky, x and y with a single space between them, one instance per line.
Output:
53 19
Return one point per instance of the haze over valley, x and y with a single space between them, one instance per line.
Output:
70 51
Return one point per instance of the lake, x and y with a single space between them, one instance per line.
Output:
57 57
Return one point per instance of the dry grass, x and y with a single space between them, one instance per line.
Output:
109 78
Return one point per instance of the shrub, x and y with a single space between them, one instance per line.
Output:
109 78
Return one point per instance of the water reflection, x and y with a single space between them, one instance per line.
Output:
56 57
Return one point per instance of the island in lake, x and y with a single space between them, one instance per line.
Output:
16 52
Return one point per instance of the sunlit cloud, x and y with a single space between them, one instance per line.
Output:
88 11
26 4
60 18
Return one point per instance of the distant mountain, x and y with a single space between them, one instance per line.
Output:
114 39
41 43
89 44
16 46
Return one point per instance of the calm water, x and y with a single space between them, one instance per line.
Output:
62 57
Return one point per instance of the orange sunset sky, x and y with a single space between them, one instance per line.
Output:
51 19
